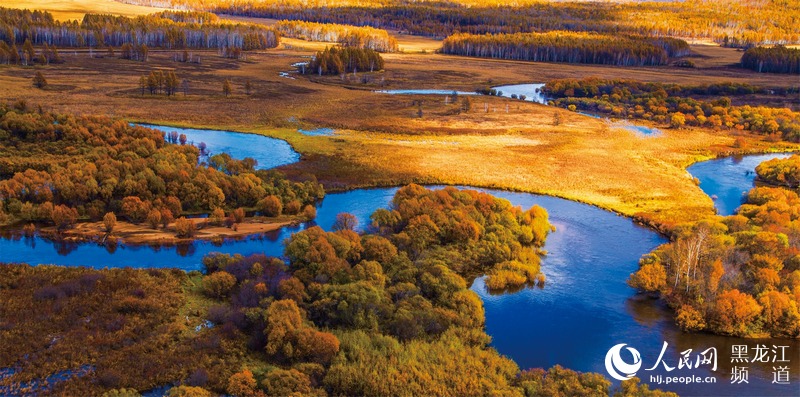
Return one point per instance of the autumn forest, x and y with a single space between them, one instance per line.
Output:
399 198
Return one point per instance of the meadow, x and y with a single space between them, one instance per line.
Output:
64 10
381 140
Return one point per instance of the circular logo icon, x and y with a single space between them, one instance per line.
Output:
617 367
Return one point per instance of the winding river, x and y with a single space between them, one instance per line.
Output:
584 309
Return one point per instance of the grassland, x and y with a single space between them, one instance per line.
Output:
64 10
381 140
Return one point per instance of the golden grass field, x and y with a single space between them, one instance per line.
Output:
380 140
63 10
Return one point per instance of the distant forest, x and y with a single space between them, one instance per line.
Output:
778 59
570 47
346 35
174 30
728 22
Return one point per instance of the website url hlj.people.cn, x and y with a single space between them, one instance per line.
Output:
685 380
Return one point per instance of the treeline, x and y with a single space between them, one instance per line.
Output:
730 22
346 35
569 47
736 276
781 172
338 60
28 55
672 104
57 165
778 59
173 30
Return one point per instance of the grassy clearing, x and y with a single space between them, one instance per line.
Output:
382 141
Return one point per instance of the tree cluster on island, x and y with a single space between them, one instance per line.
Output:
91 165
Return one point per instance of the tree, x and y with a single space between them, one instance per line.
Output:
281 382
735 312
650 277
271 206
238 215
109 221
64 217
309 212
345 221
154 218
39 81
557 118
466 104
677 120
171 83
217 216
226 87
185 228
242 384
166 217
135 209
153 83
143 83
28 52
219 284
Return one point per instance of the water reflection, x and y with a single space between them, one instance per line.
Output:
268 152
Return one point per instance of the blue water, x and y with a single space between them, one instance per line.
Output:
727 180
532 92
641 129
268 152
317 132
426 92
